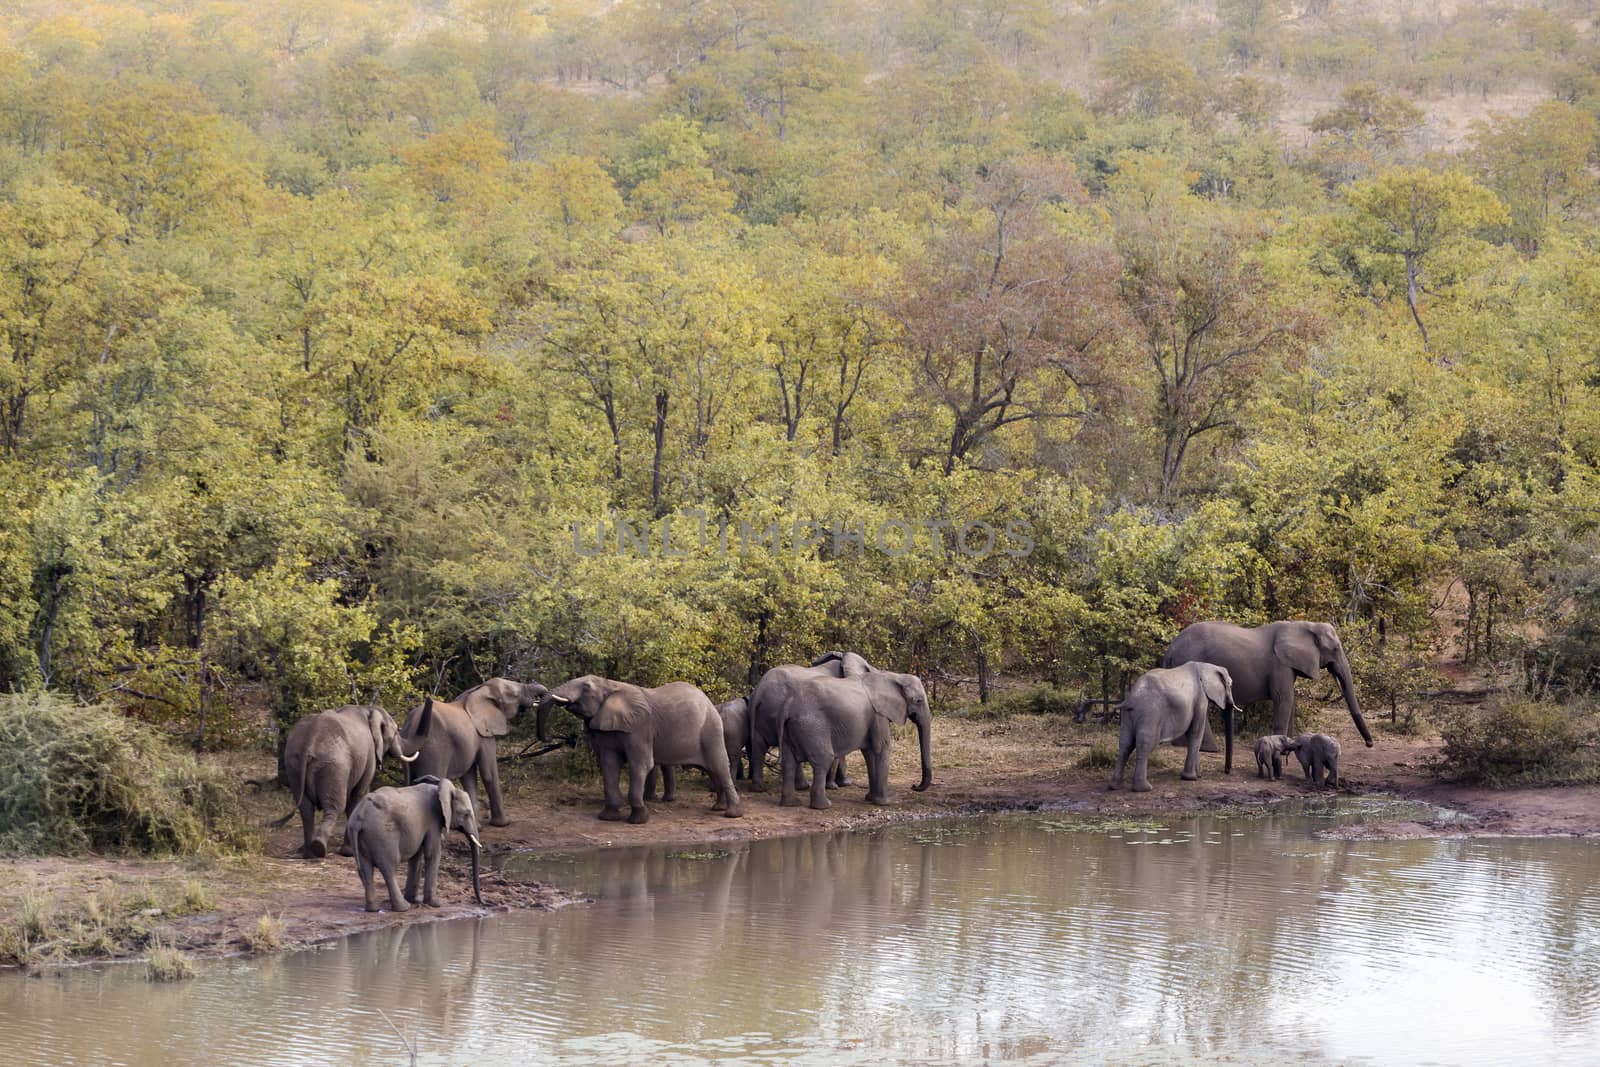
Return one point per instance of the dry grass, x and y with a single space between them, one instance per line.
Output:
267 935
167 964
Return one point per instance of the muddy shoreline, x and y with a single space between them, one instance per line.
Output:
1021 764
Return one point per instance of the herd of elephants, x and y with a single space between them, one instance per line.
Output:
814 714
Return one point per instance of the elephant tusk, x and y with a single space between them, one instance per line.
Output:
474 839
409 759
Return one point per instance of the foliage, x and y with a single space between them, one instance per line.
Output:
317 339
1522 740
82 777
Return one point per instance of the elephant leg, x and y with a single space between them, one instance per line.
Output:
758 763
669 783
1191 760
362 788
1124 750
396 901
727 793
788 761
1281 691
364 869
821 772
489 767
877 775
332 793
841 777
412 867
308 816
1141 765
430 874
469 780
610 771
638 769
650 781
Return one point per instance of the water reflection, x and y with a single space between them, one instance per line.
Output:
1016 939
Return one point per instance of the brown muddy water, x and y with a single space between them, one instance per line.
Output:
1001 939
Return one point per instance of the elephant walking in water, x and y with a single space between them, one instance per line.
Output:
1265 661
330 759
1170 704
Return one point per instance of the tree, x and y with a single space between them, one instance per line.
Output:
1538 165
1005 314
1411 213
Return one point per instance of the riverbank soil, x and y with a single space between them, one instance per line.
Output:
59 909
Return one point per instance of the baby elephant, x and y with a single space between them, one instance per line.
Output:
1318 755
1270 751
408 825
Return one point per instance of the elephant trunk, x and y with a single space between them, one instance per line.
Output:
541 718
925 739
1341 671
472 839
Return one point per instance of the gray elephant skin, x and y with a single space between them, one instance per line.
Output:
1319 758
773 691
330 759
408 824
735 715
673 724
463 739
1170 704
1265 661
1270 751
819 719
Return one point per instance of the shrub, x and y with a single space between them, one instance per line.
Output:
81 777
267 935
1520 740
167 964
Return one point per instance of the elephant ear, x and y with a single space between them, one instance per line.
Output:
446 791
624 709
1296 645
887 694
1217 684
485 710
375 724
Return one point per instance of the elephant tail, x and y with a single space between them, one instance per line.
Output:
300 791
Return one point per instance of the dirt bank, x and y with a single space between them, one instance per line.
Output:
95 908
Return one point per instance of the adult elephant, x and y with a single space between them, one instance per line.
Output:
1265 660
773 691
464 737
819 719
735 716
330 759
671 724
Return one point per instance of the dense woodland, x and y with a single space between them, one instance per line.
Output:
322 323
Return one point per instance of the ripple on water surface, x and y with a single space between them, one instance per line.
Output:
1020 939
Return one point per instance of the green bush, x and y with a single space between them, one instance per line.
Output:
82 777
1519 740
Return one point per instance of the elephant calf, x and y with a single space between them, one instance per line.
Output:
1319 756
330 759
408 825
1270 751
